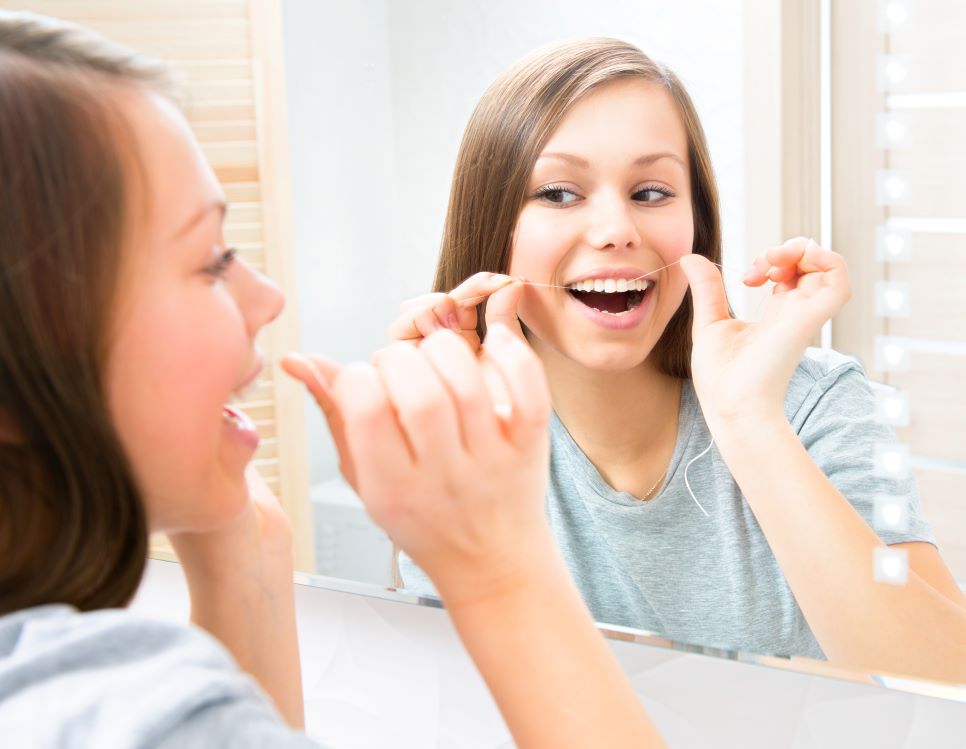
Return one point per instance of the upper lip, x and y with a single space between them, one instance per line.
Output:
605 273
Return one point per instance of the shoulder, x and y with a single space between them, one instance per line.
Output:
114 636
825 375
113 673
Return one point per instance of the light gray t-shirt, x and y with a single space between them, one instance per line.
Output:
664 567
110 679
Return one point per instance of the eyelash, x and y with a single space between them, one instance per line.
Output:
548 190
221 265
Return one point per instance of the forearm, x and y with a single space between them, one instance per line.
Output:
826 549
549 669
251 610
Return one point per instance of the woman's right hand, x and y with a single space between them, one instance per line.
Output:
457 310
456 482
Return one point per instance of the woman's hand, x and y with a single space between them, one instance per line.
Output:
456 311
456 484
420 317
742 369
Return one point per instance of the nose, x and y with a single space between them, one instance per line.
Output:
613 226
258 297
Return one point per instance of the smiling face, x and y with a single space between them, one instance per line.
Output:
184 332
609 201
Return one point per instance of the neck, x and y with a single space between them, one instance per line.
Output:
623 421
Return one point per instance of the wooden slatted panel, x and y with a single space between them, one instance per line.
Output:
937 289
932 159
936 386
211 48
930 44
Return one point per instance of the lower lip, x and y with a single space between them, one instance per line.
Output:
624 321
241 427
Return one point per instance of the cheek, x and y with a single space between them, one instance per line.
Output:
539 243
671 235
172 367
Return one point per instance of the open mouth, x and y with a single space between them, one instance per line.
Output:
237 417
611 296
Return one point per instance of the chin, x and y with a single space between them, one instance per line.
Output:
611 361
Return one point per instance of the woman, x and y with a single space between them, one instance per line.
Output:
584 171
126 326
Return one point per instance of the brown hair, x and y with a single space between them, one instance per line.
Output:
504 137
72 523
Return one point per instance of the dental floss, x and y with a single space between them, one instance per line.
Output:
557 286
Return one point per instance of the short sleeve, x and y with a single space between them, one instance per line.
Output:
837 424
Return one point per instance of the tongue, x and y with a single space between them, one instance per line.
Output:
616 302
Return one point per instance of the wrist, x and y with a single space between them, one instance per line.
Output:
746 422
475 585
224 561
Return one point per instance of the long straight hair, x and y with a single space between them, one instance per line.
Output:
503 139
73 525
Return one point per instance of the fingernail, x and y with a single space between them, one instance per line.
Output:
453 323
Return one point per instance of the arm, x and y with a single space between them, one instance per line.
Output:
240 582
550 671
824 547
461 489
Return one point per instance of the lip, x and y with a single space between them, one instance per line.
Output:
626 321
605 273
241 427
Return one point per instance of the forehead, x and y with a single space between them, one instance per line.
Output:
629 113
177 176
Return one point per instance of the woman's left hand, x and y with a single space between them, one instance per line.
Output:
742 369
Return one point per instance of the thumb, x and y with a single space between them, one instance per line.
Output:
501 307
707 291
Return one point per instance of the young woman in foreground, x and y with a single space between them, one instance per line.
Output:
126 326
585 171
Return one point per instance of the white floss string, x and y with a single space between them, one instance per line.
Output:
688 483
557 286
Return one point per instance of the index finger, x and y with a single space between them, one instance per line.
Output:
805 256
478 287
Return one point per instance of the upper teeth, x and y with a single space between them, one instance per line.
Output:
610 285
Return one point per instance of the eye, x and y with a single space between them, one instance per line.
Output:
220 267
557 195
652 194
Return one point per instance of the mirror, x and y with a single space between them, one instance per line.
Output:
379 94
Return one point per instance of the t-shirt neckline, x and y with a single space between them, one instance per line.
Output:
587 471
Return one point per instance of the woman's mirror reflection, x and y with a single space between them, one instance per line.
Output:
710 480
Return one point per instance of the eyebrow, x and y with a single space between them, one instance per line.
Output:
645 160
215 205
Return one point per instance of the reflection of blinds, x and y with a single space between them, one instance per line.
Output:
910 128
217 48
